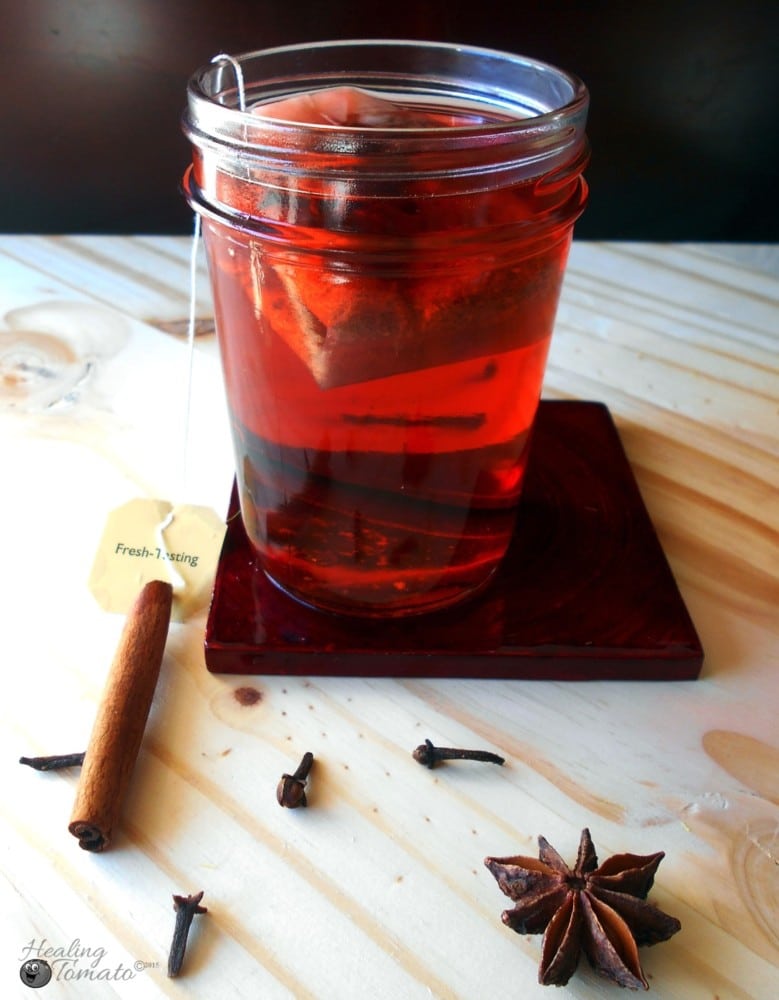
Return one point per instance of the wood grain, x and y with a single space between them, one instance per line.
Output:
378 888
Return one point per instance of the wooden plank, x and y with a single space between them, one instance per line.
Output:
378 888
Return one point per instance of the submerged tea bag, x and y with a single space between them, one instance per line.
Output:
366 304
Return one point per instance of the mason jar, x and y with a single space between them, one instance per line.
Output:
387 225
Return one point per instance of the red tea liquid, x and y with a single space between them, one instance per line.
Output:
383 361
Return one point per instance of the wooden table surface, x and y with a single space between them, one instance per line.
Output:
378 889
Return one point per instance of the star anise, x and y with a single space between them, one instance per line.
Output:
599 910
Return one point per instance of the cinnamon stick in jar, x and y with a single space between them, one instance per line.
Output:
121 717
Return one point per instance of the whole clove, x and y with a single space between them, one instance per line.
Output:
430 755
186 908
54 762
291 789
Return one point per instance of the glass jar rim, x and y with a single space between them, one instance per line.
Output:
204 94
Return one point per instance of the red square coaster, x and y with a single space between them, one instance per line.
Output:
585 591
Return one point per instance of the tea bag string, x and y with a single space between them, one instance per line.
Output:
191 329
176 580
193 258
224 57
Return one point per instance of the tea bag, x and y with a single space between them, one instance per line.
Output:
351 324
349 329
351 107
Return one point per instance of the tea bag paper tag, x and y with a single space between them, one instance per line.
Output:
147 540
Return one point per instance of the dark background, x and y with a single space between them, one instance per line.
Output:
683 122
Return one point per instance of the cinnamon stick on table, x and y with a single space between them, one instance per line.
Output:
121 717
